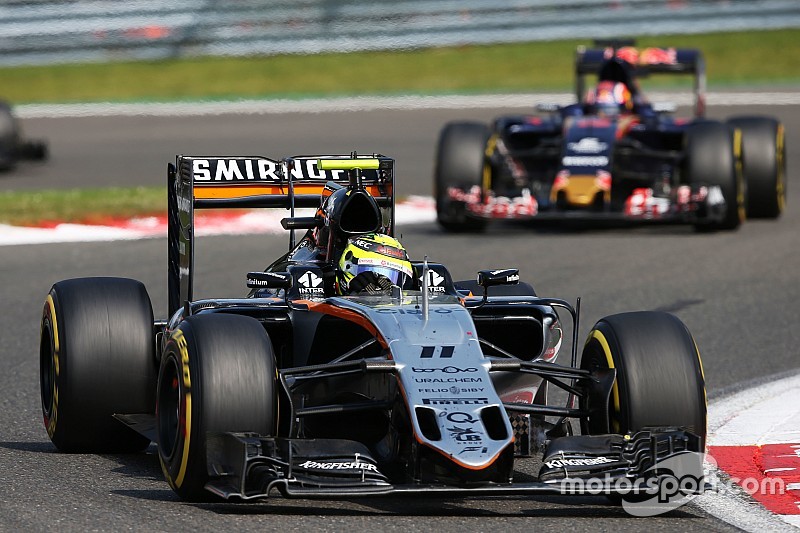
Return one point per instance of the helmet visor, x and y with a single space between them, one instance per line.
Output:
378 266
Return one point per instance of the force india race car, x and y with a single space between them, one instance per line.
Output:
435 386
637 163
13 147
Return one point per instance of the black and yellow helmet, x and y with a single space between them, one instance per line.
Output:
377 253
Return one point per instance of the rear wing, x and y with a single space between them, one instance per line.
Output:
203 182
642 62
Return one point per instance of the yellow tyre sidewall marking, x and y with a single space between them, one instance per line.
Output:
53 416
180 342
780 184
741 205
601 339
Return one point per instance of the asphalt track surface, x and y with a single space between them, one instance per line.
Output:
737 291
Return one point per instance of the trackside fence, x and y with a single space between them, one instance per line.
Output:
41 32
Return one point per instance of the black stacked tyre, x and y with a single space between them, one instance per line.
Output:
96 357
460 157
217 375
763 164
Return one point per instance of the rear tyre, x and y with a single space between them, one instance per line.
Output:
217 375
764 165
712 159
460 157
96 359
659 374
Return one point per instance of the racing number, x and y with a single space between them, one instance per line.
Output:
428 351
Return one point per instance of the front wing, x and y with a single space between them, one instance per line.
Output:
248 466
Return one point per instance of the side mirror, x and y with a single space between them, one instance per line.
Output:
269 280
505 276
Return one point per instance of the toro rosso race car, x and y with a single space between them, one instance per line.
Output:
13 146
419 385
613 156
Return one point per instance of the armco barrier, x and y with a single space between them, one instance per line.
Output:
40 32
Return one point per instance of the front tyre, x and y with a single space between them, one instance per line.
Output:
96 359
217 375
713 159
659 374
764 165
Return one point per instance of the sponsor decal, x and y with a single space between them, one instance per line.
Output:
339 465
588 145
583 461
185 416
234 170
435 281
460 432
474 449
584 161
455 401
310 283
454 390
448 380
445 369
243 170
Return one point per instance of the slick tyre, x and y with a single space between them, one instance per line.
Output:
96 359
460 157
217 374
763 165
713 154
9 138
659 374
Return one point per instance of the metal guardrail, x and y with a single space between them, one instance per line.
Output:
41 32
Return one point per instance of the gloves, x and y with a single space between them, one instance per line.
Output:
371 283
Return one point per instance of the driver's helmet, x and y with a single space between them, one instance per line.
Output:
376 253
610 98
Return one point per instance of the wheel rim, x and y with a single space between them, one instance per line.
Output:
169 408
47 371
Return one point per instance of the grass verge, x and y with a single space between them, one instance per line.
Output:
732 59
86 206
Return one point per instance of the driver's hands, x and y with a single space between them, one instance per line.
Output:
371 283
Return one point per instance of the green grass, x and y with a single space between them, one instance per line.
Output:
25 208
732 59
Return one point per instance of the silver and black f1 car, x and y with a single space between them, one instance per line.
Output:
13 146
434 386
631 162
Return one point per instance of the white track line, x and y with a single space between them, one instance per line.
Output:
371 103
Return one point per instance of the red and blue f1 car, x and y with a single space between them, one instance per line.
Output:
638 163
